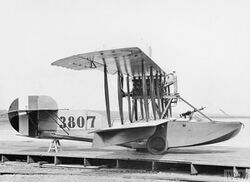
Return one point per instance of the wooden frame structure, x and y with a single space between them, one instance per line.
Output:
152 95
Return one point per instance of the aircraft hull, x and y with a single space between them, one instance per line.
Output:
184 134
188 133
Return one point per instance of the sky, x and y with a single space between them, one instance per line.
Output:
206 42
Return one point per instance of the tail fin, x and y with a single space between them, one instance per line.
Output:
24 114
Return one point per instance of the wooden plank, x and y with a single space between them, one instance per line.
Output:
73 166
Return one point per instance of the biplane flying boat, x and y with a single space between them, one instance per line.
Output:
148 124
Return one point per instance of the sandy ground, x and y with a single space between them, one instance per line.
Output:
31 173
21 172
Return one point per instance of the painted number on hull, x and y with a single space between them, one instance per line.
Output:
78 122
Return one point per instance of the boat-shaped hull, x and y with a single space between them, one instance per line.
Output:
183 133
192 133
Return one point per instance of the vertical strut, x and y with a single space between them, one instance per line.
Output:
133 110
129 101
158 86
163 100
136 111
120 101
164 82
106 89
162 104
141 106
144 88
170 108
152 92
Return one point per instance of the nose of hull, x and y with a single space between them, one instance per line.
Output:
228 131
200 133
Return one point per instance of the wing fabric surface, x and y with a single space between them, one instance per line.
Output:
125 134
126 60
141 124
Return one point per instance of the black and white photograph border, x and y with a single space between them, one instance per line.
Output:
118 90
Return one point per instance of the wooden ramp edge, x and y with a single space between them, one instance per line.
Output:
224 161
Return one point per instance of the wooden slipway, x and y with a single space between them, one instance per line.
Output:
194 159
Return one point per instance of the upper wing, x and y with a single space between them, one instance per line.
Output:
126 60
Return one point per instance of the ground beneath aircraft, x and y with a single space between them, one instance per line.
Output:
19 172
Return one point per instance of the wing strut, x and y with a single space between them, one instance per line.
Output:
152 92
136 109
142 112
106 89
120 100
170 108
144 90
129 101
158 95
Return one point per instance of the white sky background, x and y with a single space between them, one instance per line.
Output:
206 42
